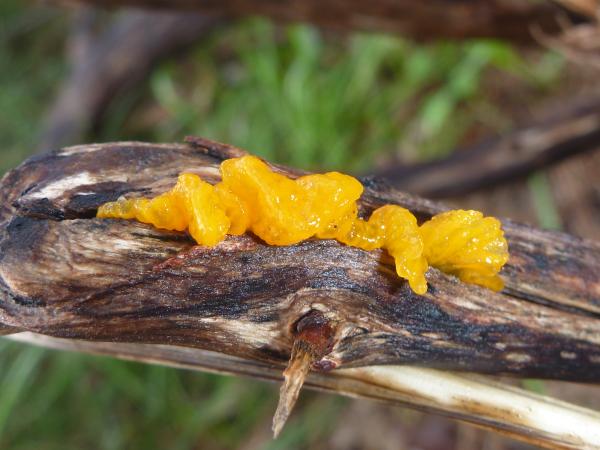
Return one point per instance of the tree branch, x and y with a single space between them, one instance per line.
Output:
146 286
573 130
118 58
483 402
66 274
421 20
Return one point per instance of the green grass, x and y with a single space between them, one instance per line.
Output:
290 94
294 97
31 67
67 401
545 208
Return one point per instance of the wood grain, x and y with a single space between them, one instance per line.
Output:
66 274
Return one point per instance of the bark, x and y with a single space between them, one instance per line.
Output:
66 274
422 20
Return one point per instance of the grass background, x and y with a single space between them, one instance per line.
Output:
293 95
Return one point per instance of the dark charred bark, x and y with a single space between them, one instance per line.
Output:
66 274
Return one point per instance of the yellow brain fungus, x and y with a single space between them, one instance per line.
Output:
282 211
468 245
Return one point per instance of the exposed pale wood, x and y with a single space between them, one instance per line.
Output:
293 379
67 274
423 20
313 339
157 297
523 415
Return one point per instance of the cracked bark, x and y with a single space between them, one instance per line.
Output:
66 274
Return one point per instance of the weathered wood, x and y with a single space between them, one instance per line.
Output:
483 402
66 274
422 20
6 330
590 8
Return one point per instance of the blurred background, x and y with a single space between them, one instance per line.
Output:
502 116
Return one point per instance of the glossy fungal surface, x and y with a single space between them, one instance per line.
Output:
283 211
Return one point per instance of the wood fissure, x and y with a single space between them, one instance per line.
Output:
64 273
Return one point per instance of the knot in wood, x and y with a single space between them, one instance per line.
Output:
315 333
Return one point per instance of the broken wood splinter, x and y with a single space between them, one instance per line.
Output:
294 376
313 339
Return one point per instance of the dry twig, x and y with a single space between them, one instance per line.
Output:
573 130
108 63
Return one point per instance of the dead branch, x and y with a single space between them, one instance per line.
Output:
117 58
580 44
573 130
589 8
65 274
483 402
421 20
146 285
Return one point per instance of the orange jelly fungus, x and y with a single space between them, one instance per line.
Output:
282 211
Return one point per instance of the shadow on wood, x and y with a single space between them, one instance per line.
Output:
66 274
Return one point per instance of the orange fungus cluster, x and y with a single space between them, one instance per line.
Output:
283 211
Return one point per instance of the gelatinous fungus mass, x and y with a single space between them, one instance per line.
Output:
282 211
